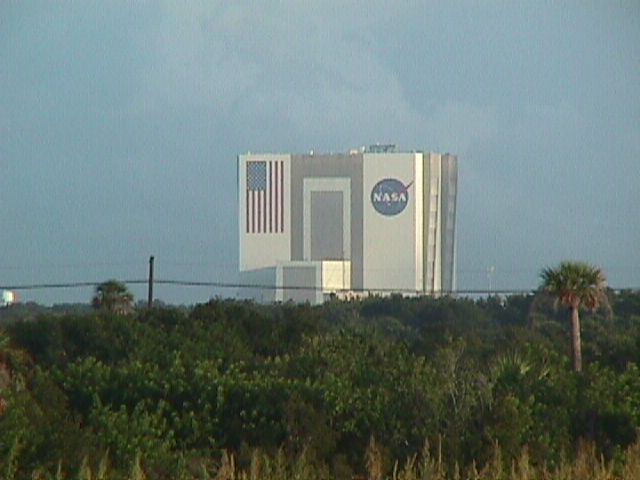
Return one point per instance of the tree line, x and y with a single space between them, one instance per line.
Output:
343 389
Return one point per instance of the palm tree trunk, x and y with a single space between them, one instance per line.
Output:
575 338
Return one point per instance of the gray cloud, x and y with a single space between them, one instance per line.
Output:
120 123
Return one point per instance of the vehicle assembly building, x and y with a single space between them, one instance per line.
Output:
369 221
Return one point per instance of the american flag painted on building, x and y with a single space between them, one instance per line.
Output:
265 196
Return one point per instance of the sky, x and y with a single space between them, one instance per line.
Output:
121 122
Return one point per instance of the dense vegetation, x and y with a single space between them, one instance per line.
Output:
443 386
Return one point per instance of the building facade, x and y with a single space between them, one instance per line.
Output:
369 221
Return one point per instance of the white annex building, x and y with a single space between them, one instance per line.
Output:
369 221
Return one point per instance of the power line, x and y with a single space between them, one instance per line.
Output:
210 284
51 286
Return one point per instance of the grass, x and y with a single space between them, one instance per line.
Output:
427 465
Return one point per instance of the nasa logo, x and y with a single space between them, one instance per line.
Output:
390 196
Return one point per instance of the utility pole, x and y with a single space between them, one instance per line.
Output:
150 297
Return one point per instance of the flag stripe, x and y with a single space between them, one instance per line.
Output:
269 200
264 202
276 194
259 210
281 196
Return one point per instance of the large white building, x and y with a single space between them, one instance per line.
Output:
370 221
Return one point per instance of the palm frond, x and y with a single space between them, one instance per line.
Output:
575 284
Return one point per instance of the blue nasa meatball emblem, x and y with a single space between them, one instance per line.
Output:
390 196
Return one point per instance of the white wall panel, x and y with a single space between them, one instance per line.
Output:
391 242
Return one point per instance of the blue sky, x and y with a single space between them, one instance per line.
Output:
120 123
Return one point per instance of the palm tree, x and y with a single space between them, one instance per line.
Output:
576 285
5 370
12 364
113 296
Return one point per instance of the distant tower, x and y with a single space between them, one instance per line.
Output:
7 298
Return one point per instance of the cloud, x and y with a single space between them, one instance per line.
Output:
147 104
279 61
